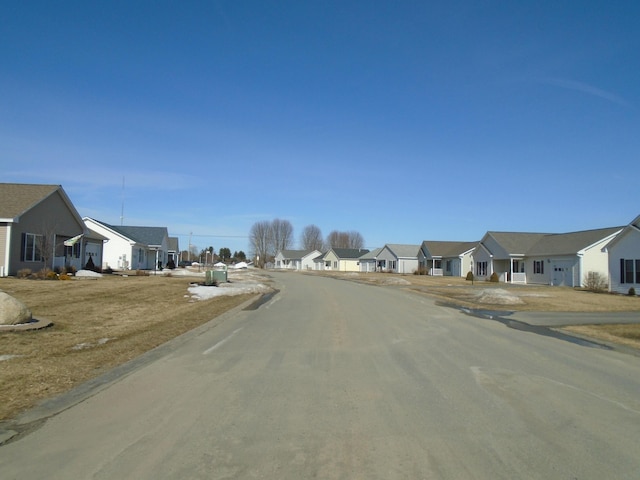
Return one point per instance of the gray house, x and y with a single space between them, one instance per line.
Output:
40 228
446 258
369 261
398 258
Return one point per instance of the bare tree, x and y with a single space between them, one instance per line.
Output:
351 239
356 240
281 235
311 238
260 239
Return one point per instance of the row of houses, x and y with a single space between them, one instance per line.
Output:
41 228
562 259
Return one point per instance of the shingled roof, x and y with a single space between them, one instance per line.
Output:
151 236
17 198
570 243
439 248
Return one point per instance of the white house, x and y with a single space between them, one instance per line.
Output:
566 259
398 258
446 258
623 253
562 259
296 259
131 247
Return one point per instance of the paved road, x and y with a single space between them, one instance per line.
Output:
337 380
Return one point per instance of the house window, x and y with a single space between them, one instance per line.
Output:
437 263
140 255
481 269
538 266
335 264
32 247
392 264
629 271
72 251
448 263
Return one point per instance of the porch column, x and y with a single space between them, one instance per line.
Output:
511 268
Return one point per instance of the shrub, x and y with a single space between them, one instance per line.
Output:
595 282
632 292
142 273
171 265
108 271
64 276
470 276
494 278
46 274
24 273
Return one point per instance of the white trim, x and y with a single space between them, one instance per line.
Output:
7 252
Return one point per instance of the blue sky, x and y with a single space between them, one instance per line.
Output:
405 121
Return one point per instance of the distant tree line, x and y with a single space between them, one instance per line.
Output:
267 238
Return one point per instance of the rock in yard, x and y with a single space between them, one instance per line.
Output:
12 311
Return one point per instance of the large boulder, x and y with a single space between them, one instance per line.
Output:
12 311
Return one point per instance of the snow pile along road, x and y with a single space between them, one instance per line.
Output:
239 284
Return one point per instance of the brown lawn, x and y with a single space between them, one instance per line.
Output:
98 324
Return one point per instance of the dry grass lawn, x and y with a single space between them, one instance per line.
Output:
98 324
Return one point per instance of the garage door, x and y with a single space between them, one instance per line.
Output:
562 274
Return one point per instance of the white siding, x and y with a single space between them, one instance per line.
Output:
627 246
117 252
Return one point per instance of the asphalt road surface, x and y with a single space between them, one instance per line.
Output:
333 379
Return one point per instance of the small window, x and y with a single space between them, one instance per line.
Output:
538 267
32 247
628 271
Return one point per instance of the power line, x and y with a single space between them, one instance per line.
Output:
210 236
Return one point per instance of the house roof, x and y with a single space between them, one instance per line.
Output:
18 198
448 248
172 244
633 226
570 243
403 251
296 254
372 254
347 253
150 236
516 243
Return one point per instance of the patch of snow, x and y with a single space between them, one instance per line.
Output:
83 346
204 293
88 273
498 296
9 357
396 281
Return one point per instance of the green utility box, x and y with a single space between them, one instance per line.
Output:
213 277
